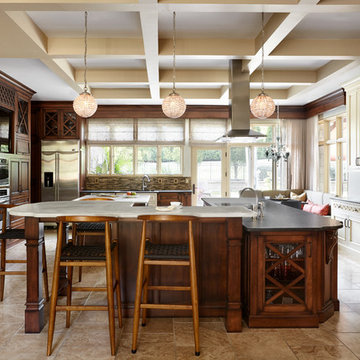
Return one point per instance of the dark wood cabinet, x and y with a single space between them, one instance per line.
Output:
22 127
282 274
59 124
164 198
19 186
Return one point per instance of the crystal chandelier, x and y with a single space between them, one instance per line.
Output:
173 105
277 151
85 104
263 105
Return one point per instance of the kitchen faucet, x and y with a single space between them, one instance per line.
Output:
258 206
145 185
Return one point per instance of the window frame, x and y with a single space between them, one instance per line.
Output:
339 141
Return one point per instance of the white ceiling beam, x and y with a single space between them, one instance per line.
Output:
149 26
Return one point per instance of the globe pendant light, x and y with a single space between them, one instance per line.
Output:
85 104
173 105
263 105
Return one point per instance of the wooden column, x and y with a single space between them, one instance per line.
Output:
233 319
34 311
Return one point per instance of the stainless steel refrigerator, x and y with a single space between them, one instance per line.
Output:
60 170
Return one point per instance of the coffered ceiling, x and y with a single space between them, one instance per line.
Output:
311 47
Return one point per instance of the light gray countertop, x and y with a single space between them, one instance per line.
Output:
119 209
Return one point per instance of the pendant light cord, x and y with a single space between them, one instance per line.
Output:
174 47
85 54
262 52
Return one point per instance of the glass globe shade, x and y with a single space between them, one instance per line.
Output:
173 106
262 106
85 105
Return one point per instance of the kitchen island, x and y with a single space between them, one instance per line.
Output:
218 239
289 266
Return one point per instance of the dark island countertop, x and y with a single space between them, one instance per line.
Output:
279 217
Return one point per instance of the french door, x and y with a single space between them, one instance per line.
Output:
208 173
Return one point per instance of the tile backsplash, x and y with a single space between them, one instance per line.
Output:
135 183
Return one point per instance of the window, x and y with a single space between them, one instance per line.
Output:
207 130
99 162
135 146
333 171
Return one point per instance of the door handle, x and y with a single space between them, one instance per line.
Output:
193 189
345 223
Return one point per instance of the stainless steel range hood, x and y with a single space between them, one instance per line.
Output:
239 107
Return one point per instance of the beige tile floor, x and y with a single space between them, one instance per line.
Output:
166 338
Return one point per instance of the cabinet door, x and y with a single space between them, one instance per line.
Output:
24 175
165 198
14 176
341 232
23 128
354 232
287 273
50 124
69 125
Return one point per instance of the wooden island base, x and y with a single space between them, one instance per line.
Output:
280 270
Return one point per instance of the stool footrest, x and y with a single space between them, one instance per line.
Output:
169 288
83 288
15 261
166 306
167 262
81 307
12 272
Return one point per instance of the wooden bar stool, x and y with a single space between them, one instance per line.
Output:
71 255
14 234
81 230
165 254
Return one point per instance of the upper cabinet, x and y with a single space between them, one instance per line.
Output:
59 124
15 106
353 114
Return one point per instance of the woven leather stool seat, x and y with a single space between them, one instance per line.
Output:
166 251
73 252
89 227
13 234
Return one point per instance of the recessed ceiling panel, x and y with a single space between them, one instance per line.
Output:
100 23
294 64
328 26
211 25
219 64
112 62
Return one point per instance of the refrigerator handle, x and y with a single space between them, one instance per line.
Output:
57 188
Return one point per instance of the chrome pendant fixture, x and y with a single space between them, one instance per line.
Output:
85 104
263 105
173 105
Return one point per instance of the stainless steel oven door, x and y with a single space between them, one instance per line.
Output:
4 172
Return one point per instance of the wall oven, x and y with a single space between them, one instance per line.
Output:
4 172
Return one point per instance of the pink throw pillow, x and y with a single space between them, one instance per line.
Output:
307 207
316 208
320 209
